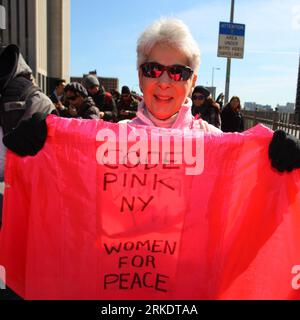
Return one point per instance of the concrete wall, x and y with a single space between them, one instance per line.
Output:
59 39
41 28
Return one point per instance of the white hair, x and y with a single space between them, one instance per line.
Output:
172 32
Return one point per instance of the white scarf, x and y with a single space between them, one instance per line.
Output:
166 123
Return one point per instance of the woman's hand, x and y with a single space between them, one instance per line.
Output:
102 114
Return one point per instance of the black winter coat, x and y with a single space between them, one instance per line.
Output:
231 121
208 113
88 110
106 103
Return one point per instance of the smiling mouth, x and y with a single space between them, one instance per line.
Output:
162 98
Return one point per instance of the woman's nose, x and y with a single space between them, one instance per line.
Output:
164 80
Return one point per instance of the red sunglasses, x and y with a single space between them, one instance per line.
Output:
175 72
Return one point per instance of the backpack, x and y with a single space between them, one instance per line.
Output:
14 102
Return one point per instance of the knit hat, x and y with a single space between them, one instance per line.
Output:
125 90
76 87
90 81
202 90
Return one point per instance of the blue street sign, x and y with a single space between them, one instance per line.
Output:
236 29
231 40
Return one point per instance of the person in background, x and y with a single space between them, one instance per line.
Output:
136 96
80 104
103 100
220 100
232 119
116 95
22 104
127 105
205 107
57 96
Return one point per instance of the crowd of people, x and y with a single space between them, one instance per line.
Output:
90 100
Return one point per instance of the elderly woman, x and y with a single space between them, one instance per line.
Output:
167 59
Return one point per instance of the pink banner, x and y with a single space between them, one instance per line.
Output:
213 222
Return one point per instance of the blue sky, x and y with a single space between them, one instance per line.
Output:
104 35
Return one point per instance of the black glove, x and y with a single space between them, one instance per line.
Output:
284 151
29 137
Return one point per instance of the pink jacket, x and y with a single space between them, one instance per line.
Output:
184 119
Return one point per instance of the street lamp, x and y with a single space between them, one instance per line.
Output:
212 79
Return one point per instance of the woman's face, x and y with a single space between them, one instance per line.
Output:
198 99
234 104
164 96
75 99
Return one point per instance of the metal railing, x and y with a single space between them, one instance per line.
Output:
288 122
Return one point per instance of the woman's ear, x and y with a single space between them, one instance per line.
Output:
194 80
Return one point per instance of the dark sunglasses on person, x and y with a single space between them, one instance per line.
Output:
198 97
175 72
71 98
